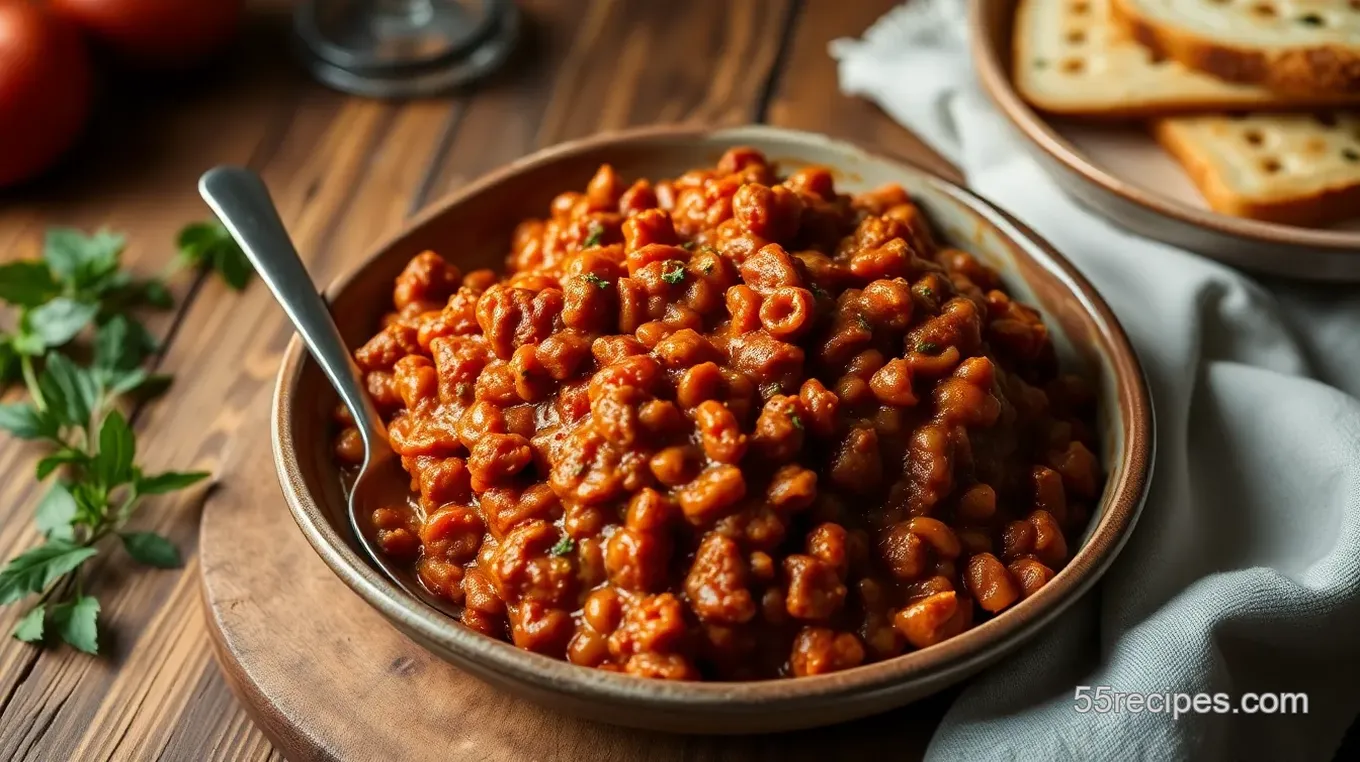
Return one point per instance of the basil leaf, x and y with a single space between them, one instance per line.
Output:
55 512
196 238
120 345
111 348
117 447
9 361
157 295
146 385
58 459
117 284
28 343
59 320
233 265
78 623
208 244
30 628
33 571
169 481
69 390
27 283
141 339
117 291
81 260
26 421
91 502
151 549
119 383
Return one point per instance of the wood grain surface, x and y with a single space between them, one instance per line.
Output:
344 172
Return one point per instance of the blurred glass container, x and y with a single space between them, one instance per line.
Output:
404 48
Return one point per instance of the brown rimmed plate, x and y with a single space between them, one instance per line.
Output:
1119 172
473 227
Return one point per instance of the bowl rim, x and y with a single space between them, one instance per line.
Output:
1123 501
995 77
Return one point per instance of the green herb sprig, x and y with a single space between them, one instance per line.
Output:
79 288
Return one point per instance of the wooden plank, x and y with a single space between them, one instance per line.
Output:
500 120
807 97
213 725
391 186
706 65
598 65
169 656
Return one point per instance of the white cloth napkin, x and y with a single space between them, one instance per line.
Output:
1243 574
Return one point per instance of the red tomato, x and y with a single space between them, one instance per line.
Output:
45 89
156 33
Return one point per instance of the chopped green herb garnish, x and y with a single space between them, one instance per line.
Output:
688 245
708 268
769 390
563 547
708 249
864 323
594 232
673 272
596 280
927 347
927 292
796 421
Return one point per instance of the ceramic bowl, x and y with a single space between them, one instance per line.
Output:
1119 172
473 226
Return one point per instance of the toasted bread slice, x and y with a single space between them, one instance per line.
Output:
1071 59
1298 169
1283 45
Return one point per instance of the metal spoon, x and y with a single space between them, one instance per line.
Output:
241 200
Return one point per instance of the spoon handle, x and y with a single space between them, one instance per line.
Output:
241 200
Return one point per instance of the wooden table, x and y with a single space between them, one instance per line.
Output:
344 172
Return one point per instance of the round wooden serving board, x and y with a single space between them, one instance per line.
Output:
327 678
